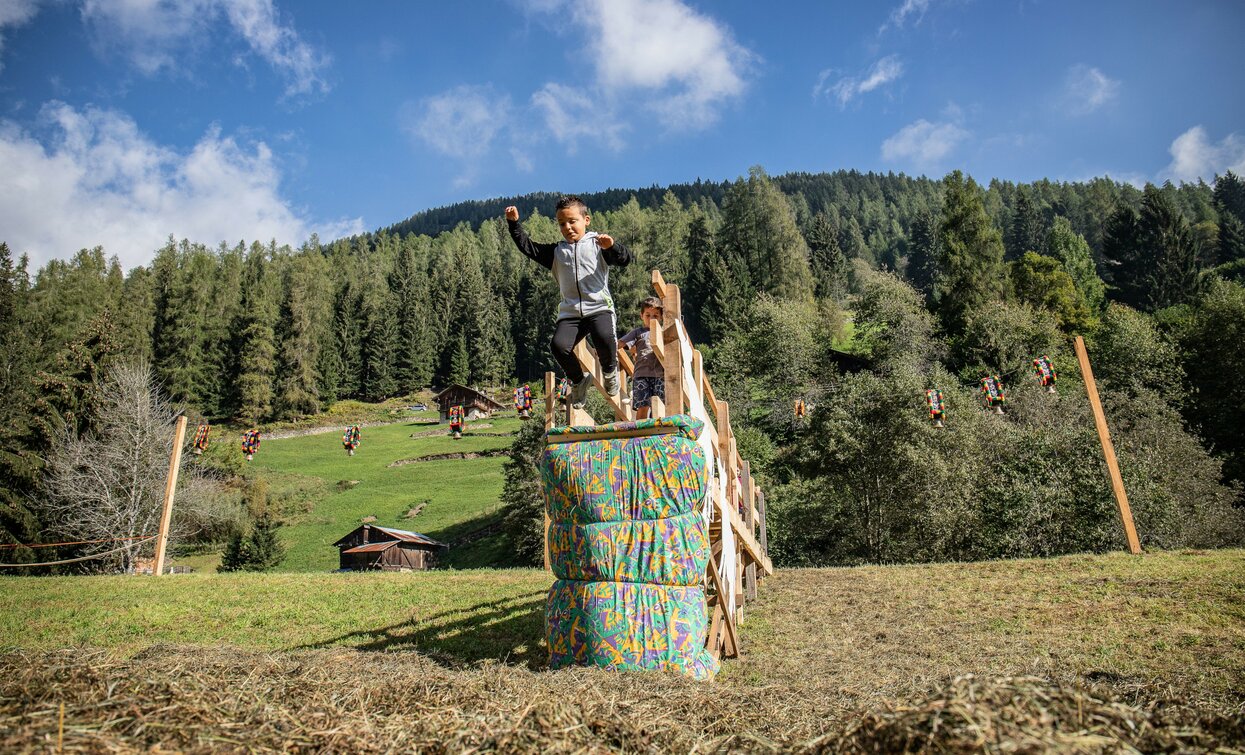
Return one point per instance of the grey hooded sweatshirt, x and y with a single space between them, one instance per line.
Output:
582 270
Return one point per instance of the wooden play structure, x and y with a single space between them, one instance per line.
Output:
739 557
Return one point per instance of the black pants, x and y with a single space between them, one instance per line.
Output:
599 328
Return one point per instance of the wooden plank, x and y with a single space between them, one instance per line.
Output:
659 284
170 490
657 342
750 571
706 391
610 435
751 548
657 408
698 373
674 377
761 514
713 641
1108 450
731 649
551 399
624 361
592 367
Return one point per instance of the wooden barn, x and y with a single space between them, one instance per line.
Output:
475 404
371 547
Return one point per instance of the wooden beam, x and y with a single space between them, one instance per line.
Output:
657 342
674 378
764 530
659 284
657 408
625 363
732 645
170 490
551 398
592 367
1108 451
750 571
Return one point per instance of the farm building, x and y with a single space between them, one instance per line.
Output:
475 404
372 547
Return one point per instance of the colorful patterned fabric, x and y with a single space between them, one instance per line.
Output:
250 442
671 551
1045 370
351 438
933 399
564 388
629 545
653 477
628 625
992 391
200 443
456 416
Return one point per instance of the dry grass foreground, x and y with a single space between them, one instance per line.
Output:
1082 654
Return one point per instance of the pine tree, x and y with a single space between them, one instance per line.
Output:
1172 271
1072 250
415 359
1044 282
1231 239
1229 196
349 341
257 349
460 362
828 264
304 315
970 261
922 268
378 348
1027 231
1121 253
758 227
19 466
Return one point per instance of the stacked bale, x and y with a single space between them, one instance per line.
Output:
628 544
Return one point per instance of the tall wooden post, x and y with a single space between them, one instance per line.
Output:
170 488
749 498
1108 451
551 403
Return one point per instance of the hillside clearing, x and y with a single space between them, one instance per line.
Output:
279 661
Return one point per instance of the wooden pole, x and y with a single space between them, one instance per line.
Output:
170 488
1108 451
551 403
750 571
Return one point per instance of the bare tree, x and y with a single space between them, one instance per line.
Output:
109 483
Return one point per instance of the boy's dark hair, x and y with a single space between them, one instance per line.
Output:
653 302
571 201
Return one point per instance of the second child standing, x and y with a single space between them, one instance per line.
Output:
580 265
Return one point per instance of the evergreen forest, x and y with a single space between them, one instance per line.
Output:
854 291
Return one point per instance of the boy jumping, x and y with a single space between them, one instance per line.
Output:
580 265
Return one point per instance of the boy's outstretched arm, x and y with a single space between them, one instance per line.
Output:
541 253
614 252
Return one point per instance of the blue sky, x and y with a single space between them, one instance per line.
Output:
124 121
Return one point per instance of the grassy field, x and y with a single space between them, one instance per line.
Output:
1078 653
322 493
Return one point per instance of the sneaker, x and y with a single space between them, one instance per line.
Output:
611 382
579 392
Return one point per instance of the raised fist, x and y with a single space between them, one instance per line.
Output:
512 213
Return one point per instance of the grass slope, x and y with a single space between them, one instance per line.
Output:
459 496
1102 649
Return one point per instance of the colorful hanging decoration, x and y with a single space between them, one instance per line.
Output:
564 389
456 421
523 400
933 399
351 439
1045 371
800 408
200 443
992 393
250 443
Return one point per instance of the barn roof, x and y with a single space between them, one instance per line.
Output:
472 392
373 547
405 536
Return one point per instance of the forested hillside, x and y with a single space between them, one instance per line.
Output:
935 283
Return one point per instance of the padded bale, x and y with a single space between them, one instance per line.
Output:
625 478
628 626
671 551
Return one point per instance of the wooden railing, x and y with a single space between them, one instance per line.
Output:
739 544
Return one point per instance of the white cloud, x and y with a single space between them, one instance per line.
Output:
15 13
570 115
461 123
900 15
924 144
1086 89
659 55
155 34
1195 156
98 180
884 71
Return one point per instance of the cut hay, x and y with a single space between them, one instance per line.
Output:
229 699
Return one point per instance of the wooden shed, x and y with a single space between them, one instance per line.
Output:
475 404
371 547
